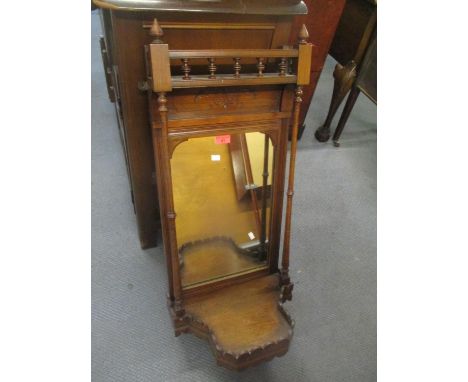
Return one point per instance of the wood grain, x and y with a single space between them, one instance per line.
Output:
129 61
304 65
243 323
160 65
254 53
199 81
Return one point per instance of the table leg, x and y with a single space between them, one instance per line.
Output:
353 95
344 79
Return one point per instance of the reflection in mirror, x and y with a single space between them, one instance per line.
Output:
222 189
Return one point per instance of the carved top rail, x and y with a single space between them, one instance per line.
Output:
163 81
229 80
233 53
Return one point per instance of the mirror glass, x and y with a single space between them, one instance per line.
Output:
222 189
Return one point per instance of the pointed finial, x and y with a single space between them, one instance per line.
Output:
157 32
303 35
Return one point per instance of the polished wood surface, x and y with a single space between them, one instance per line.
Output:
129 66
264 53
160 53
305 51
353 27
243 323
305 54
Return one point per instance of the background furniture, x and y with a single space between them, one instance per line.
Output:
366 82
321 22
353 36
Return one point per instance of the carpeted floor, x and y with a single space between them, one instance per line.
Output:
333 262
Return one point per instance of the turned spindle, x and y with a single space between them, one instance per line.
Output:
157 32
212 68
185 69
260 66
237 67
283 65
284 273
170 213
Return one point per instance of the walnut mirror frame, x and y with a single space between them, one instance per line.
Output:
239 312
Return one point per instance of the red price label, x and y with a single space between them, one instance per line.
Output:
222 139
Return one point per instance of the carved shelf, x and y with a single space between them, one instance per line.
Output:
245 324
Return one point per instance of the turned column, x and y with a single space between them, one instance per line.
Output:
305 51
161 84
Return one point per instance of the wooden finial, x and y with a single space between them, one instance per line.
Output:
157 32
303 35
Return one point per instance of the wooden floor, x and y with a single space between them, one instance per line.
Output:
243 318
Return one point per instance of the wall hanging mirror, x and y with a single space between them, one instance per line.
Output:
220 142
222 194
